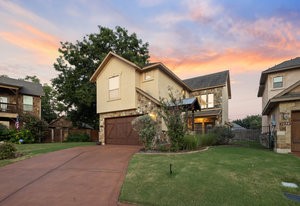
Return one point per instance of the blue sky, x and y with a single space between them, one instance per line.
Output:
191 37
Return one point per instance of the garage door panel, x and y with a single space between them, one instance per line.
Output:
295 133
120 131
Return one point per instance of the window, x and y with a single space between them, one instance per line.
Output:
148 75
3 106
27 103
278 82
203 101
207 101
114 87
210 100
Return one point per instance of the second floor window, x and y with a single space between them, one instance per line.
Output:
27 103
148 75
114 87
207 101
3 106
278 82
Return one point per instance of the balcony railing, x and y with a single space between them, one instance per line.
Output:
8 108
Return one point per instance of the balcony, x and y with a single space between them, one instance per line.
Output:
8 110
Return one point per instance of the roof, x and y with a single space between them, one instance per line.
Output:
147 95
190 103
206 113
25 87
283 66
285 96
210 81
236 126
206 81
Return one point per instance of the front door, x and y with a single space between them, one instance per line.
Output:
295 133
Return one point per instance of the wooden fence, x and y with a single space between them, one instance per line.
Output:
246 135
61 134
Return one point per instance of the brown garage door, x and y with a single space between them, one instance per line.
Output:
119 131
295 131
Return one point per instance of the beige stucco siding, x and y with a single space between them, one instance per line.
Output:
127 87
224 104
150 86
165 82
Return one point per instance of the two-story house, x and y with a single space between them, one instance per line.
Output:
279 88
213 92
18 97
124 91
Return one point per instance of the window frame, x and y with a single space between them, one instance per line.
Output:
114 91
150 75
206 102
27 107
210 102
277 84
3 104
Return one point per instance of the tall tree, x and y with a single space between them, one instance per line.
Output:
48 104
33 79
78 61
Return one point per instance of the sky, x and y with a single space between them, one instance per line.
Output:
191 37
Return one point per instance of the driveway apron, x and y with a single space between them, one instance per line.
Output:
90 176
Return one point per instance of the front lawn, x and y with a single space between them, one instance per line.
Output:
29 150
223 175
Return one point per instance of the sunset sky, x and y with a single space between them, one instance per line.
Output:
191 37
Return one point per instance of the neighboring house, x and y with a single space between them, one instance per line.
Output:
124 91
18 97
280 91
237 127
59 129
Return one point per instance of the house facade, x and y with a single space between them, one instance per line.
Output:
125 91
18 97
280 91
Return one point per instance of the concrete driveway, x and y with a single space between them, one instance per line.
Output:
90 176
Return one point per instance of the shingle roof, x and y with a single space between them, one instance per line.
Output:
25 87
289 64
207 81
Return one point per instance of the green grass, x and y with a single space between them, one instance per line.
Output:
223 175
30 150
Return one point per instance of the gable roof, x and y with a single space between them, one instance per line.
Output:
25 87
284 96
283 66
106 60
210 81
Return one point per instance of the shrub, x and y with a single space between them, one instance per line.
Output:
76 137
223 134
7 150
36 126
208 139
4 133
190 142
24 134
147 130
171 112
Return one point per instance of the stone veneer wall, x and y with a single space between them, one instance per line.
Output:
217 99
144 106
283 143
